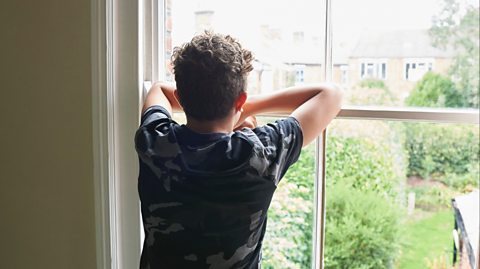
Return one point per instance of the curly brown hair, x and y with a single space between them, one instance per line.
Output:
210 72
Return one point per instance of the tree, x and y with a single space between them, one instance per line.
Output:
457 26
435 90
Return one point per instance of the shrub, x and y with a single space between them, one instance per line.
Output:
438 150
363 164
372 84
360 164
464 182
433 197
371 92
288 241
362 229
435 90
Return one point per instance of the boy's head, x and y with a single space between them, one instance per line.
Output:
210 72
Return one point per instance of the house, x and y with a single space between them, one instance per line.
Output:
399 58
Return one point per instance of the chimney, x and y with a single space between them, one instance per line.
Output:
203 20
298 37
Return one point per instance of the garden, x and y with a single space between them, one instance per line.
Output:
372 167
369 174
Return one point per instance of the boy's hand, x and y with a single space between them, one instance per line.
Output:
249 122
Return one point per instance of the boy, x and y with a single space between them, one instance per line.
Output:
205 187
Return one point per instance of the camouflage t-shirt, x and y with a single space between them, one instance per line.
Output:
204 197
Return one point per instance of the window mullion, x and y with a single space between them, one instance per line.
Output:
319 203
319 213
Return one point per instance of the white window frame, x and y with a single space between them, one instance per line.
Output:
119 43
299 74
116 99
377 68
417 62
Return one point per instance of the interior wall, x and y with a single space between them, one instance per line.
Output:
46 163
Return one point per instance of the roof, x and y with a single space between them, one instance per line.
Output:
398 44
302 53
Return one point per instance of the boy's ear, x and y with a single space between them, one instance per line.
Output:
241 99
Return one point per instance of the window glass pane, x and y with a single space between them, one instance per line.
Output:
384 70
389 191
287 42
437 47
288 240
281 35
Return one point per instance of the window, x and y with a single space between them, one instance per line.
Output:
284 42
299 74
416 68
344 74
284 56
370 69
391 94
387 180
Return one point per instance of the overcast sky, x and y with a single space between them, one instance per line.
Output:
242 18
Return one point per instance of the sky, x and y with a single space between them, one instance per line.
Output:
242 18
308 15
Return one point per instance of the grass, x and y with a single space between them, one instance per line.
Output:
428 241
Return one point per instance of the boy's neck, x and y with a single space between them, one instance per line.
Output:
216 126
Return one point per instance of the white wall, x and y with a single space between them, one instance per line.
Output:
46 164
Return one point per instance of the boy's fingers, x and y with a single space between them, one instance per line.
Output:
249 122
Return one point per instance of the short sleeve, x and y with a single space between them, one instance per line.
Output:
281 145
154 113
155 122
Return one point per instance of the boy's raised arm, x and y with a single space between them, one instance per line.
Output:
313 106
164 95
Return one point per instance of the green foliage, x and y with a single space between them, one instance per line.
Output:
362 230
360 164
371 92
439 150
373 83
466 182
460 30
288 241
363 164
435 90
433 197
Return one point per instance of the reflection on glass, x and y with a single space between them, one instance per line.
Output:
389 191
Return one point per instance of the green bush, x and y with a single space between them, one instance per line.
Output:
364 164
433 197
439 150
362 229
372 84
374 166
288 241
371 92
464 182
435 90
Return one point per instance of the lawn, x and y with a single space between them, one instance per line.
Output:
428 241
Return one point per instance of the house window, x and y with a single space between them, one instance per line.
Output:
373 70
414 69
344 74
299 74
